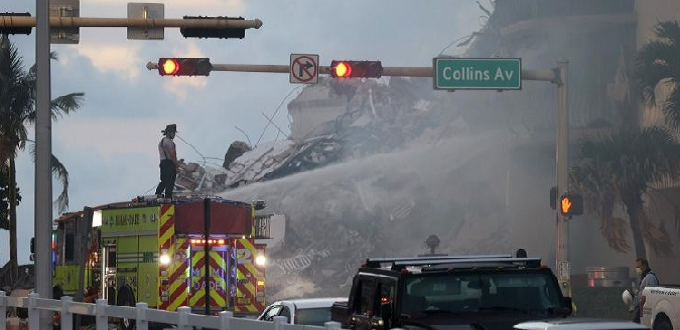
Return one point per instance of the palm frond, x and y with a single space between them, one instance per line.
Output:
65 104
615 231
656 237
652 68
658 61
669 30
671 108
59 170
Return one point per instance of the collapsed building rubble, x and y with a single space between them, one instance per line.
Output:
375 117
365 118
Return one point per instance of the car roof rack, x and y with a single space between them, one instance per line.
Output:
474 263
427 260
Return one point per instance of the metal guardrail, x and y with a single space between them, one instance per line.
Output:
183 318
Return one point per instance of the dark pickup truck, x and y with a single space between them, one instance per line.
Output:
463 292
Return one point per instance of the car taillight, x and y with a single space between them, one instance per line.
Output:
643 299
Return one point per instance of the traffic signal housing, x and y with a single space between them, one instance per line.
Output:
222 33
173 66
571 204
356 69
16 30
553 198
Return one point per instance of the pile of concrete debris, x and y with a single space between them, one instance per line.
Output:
370 117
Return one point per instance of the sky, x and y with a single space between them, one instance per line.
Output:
109 146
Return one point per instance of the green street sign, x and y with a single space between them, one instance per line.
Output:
477 73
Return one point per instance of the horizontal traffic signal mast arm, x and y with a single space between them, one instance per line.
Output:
65 22
387 71
545 75
252 68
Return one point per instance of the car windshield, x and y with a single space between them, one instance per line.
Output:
440 294
313 316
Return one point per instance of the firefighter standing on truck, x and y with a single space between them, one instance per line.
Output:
168 164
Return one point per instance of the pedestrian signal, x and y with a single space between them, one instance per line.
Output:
356 69
571 204
184 66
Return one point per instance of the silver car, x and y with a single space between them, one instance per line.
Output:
312 311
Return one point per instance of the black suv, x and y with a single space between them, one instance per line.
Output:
463 292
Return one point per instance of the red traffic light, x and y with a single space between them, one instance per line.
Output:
168 67
184 66
342 69
356 69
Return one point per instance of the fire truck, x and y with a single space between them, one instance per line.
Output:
191 251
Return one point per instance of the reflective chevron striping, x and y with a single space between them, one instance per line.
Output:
174 274
166 229
246 287
247 275
217 265
178 279
243 306
178 297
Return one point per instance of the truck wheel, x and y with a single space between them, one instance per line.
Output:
126 298
662 323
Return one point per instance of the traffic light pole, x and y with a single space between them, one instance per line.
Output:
43 156
69 22
562 239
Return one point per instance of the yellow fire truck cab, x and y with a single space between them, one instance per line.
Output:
154 251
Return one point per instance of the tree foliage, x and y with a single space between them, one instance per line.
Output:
17 113
4 198
619 169
658 63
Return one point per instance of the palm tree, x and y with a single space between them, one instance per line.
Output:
658 62
4 198
618 169
17 111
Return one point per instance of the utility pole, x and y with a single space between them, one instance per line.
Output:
562 239
43 156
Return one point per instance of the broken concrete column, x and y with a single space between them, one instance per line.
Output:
236 149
